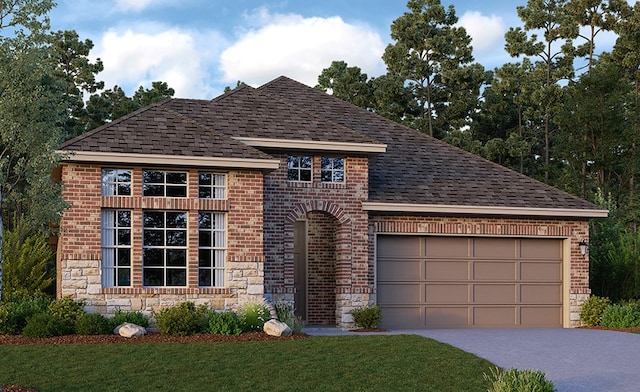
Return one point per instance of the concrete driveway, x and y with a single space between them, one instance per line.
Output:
576 360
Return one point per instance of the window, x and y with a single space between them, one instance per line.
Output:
116 248
116 182
164 248
332 170
299 169
211 249
211 186
164 183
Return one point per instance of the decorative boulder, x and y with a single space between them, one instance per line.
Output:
129 330
274 327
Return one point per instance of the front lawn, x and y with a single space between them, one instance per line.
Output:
339 363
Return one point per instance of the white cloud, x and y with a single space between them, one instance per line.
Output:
132 5
487 32
151 53
299 48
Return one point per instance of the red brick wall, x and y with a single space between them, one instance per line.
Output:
321 268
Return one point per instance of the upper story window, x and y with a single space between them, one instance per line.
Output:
212 186
116 182
299 168
332 170
164 183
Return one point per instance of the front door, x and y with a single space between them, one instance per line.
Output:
300 268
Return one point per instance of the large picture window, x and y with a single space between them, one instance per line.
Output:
211 249
164 248
116 182
116 248
164 183
299 168
212 186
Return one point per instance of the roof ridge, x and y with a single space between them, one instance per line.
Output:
243 86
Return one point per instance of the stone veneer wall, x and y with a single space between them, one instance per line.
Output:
286 202
79 250
573 230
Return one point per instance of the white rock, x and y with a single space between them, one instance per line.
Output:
129 330
274 327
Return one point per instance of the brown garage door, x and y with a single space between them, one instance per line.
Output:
459 282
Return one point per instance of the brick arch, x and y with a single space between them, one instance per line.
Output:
319 205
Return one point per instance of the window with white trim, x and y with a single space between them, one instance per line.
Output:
299 168
164 248
332 170
212 185
211 249
116 248
116 182
160 183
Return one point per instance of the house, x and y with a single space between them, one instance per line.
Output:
286 193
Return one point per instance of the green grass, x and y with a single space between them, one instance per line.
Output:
344 363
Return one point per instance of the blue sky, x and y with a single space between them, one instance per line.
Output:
200 46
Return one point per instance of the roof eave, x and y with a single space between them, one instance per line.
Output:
173 160
290 144
483 210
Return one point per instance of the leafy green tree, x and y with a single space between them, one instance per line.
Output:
347 83
159 91
434 59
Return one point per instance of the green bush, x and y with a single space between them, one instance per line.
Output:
93 324
285 313
68 310
366 316
514 380
621 316
253 316
14 312
182 320
223 323
45 325
137 318
591 312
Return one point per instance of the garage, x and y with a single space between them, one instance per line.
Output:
469 282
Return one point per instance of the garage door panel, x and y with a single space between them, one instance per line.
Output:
491 317
550 271
447 270
400 270
450 247
469 282
489 270
494 294
447 293
541 317
401 293
447 317
541 294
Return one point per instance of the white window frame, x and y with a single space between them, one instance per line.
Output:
165 249
112 184
332 171
296 168
216 186
215 249
113 248
164 183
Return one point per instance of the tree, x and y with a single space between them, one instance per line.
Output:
159 91
434 59
555 54
31 110
79 76
347 83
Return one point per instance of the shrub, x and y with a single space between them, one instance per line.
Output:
182 320
253 315
68 310
136 318
621 316
366 316
223 323
285 313
14 313
45 325
514 380
93 324
592 309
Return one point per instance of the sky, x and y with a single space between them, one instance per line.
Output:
200 46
